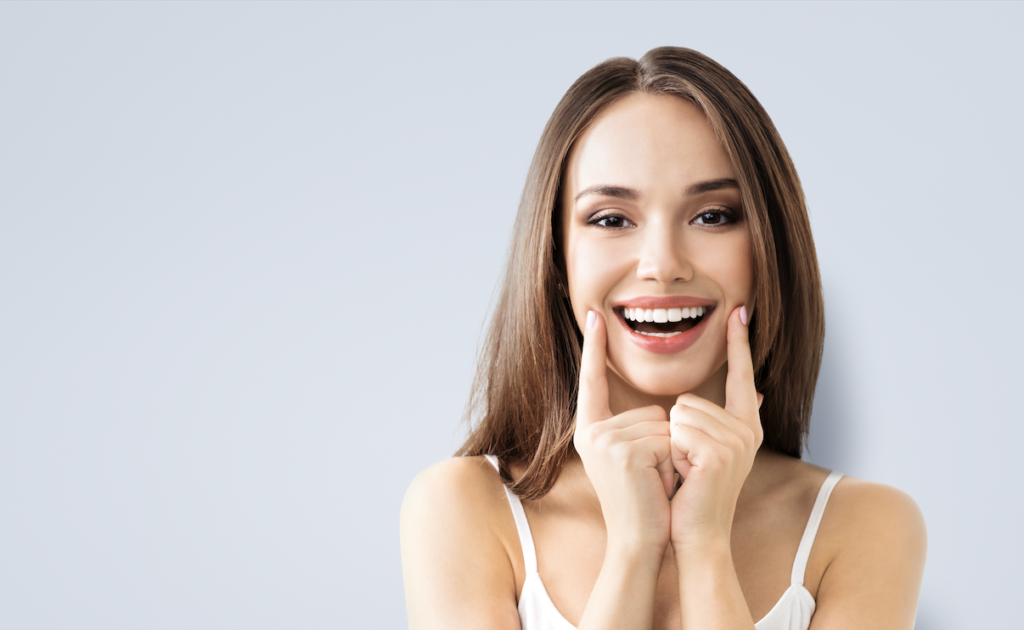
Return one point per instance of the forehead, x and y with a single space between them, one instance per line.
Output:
647 142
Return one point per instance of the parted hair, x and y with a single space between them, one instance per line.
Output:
523 402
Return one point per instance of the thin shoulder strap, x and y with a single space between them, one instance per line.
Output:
803 552
522 526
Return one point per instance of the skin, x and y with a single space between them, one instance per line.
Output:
614 550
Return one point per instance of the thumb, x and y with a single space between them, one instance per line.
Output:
667 472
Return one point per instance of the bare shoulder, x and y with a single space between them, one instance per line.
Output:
874 542
455 547
857 510
462 483
460 501
865 514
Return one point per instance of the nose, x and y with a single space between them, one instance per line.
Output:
662 258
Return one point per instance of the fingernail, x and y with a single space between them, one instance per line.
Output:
591 320
743 315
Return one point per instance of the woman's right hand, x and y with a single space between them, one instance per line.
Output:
627 457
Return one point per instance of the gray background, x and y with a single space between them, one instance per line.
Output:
247 250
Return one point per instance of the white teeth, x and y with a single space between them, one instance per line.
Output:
663 335
662 315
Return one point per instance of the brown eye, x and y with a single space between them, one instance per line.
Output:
611 222
713 217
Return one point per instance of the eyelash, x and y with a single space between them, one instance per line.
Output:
727 218
597 218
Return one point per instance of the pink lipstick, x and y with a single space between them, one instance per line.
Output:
664 325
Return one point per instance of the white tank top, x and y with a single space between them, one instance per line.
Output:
792 612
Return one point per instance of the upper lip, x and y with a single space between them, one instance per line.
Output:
667 301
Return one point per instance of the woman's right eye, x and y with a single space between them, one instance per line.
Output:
610 222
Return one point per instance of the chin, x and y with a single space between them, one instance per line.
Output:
659 381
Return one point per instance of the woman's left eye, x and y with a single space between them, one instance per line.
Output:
713 217
611 222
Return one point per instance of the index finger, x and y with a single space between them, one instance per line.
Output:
592 404
740 391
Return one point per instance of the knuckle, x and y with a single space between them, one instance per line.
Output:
584 436
680 438
619 452
718 458
686 399
604 440
631 457
657 413
753 435
746 436
758 437
734 442
581 444
682 414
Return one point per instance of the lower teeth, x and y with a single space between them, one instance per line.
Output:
654 334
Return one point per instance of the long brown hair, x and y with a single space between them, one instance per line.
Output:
523 404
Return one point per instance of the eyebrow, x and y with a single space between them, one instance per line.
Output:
714 184
622 192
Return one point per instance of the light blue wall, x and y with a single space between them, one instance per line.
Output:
246 253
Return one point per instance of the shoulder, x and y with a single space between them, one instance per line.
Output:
463 495
456 547
855 507
864 513
467 482
875 543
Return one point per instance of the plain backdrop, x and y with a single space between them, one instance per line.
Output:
247 252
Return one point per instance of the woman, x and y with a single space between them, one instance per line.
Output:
654 477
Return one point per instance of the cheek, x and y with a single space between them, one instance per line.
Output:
728 263
593 267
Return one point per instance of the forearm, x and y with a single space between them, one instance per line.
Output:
710 597
623 596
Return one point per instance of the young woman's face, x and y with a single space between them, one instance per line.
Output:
655 236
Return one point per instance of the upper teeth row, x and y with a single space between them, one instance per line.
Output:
661 315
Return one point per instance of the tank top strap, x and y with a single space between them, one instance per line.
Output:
522 525
803 552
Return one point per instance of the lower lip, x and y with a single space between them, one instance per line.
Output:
667 345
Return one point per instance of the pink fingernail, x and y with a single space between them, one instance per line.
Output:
743 315
591 320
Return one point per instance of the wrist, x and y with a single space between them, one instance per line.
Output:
712 544
634 553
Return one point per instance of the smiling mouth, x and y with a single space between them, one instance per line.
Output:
663 322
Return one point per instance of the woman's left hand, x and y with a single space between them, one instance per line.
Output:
713 449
